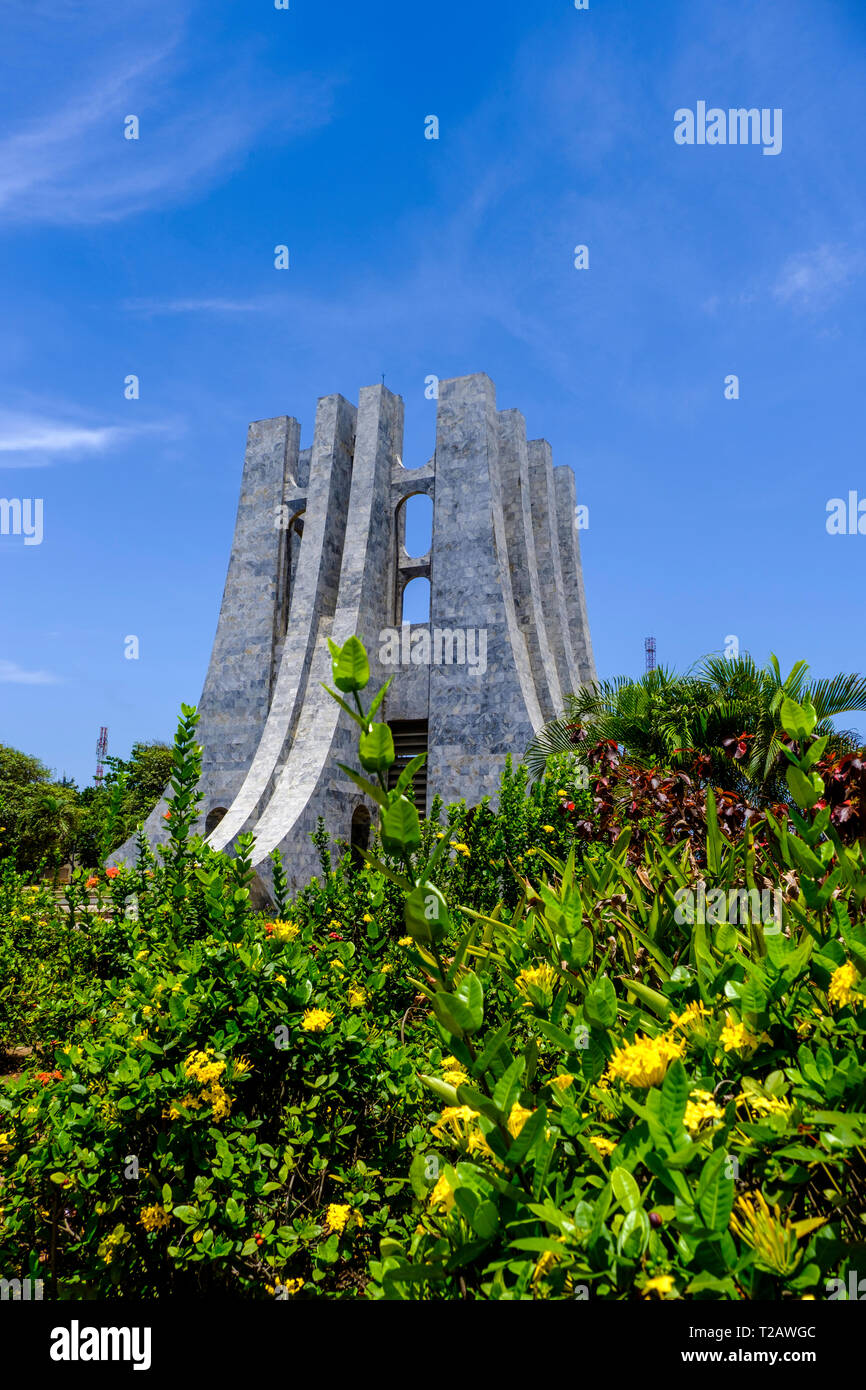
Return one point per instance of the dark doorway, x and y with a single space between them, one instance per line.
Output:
360 834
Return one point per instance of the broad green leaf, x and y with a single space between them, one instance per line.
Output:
351 667
376 749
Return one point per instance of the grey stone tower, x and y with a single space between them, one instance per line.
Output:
319 551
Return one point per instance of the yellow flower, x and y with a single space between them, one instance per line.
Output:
662 1284
773 1241
518 1117
338 965
155 1217
293 1286
442 1194
537 983
561 792
405 941
842 983
455 1076
317 1020
691 1019
561 1083
366 917
203 1066
701 1109
339 1216
218 1100
544 1263
764 1105
5 1141
645 1061
456 1123
386 969
284 931
548 829
604 1146
357 997
734 1037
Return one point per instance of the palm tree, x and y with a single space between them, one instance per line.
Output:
664 718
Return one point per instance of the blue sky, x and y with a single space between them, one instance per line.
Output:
412 257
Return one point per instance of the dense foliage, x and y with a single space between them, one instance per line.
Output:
44 823
600 1042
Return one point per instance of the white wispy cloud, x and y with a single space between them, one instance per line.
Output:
69 162
35 439
151 308
13 674
815 279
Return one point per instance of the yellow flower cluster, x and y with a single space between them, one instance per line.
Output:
203 1066
5 1142
842 983
518 1117
154 1218
206 1069
690 1020
540 978
561 1083
773 1240
405 941
442 1195
456 1123
603 1146
339 1215
644 1062
735 1037
357 997
662 1284
764 1105
453 1072
701 1109
284 931
109 1245
461 848
317 1020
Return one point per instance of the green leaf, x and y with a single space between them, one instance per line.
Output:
401 828
470 997
188 1214
634 1234
675 1096
600 1003
376 749
351 667
625 1189
798 720
715 1193
425 913
806 790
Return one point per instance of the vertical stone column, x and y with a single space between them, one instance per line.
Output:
517 507
316 580
476 717
310 783
572 571
544 525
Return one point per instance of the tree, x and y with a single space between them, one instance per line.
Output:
726 708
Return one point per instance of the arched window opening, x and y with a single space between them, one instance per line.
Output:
416 602
418 516
214 816
360 838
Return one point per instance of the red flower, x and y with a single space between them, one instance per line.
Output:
111 873
334 936
166 815
92 881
